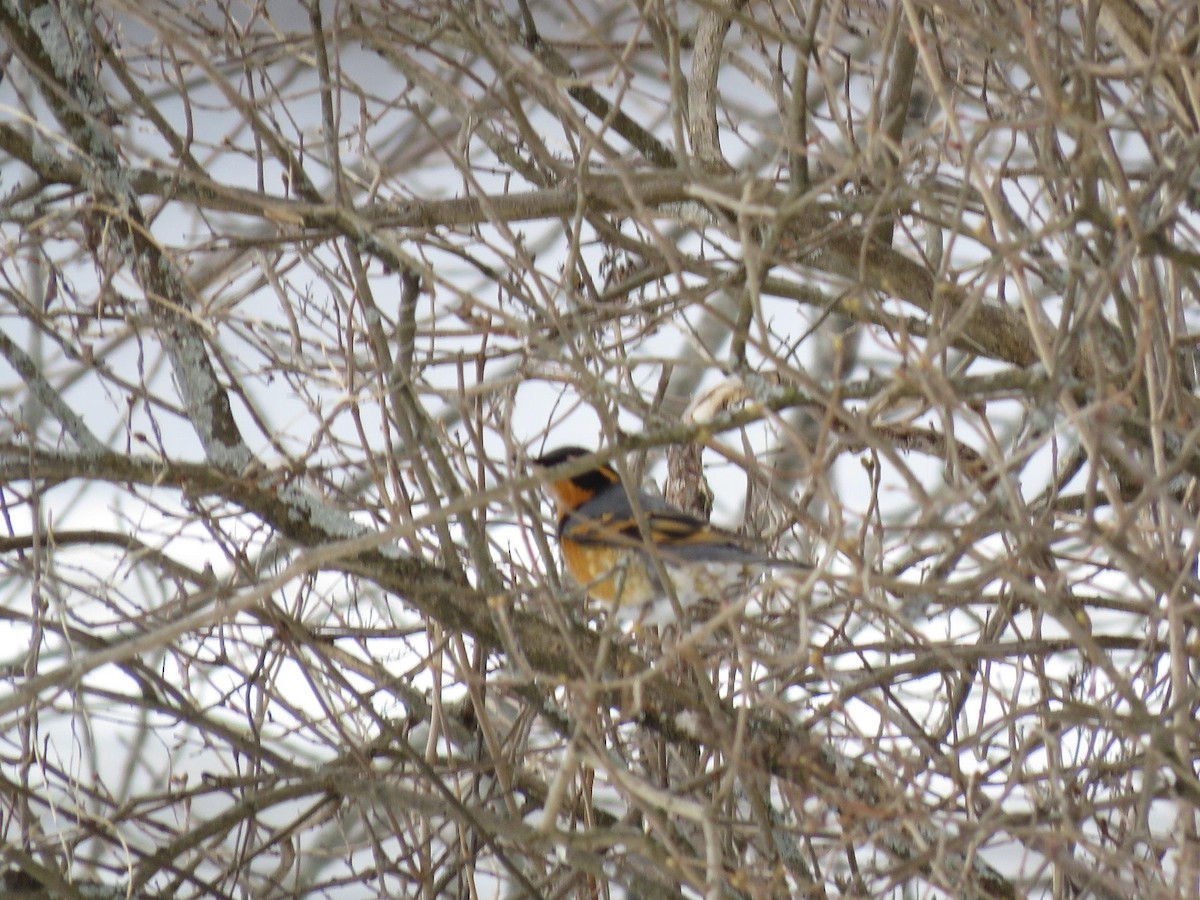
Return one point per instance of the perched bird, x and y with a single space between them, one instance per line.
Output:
620 564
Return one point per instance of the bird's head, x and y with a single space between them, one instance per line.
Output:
571 491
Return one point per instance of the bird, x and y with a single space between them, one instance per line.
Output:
619 564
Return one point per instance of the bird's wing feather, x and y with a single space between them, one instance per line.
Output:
607 520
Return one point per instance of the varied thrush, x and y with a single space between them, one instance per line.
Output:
618 563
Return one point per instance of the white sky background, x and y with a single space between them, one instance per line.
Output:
331 394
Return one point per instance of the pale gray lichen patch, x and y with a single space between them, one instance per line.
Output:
309 509
201 397
65 34
393 551
689 723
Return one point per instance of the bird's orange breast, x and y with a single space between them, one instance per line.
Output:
612 575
